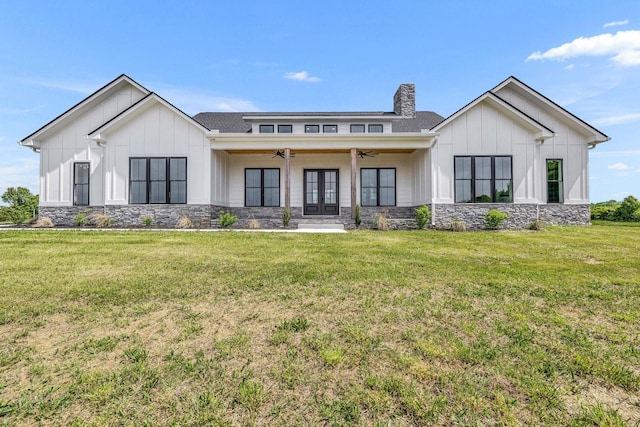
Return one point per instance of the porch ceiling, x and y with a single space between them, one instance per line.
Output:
320 151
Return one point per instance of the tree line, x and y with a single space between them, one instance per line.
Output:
626 211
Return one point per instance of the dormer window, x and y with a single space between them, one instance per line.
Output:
357 128
285 129
375 128
266 129
329 128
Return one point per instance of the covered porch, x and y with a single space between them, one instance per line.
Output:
320 176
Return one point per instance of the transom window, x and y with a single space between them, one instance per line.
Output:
157 180
81 183
554 181
266 129
483 179
312 129
357 128
262 187
285 128
375 128
329 128
378 187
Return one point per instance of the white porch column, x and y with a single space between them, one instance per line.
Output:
353 183
287 170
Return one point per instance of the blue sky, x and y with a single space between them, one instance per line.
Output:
325 56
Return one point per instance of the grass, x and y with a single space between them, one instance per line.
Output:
364 328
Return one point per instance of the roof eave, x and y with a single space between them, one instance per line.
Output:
118 80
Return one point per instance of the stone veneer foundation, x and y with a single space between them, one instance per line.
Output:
401 218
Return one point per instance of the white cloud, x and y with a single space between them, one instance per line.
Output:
195 101
82 87
615 23
621 153
619 166
617 120
20 172
570 67
302 76
623 47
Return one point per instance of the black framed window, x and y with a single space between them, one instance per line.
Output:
157 180
378 187
329 128
266 129
357 128
483 179
312 129
81 171
285 128
261 187
555 192
375 128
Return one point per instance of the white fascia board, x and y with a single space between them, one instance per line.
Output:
100 134
31 143
320 142
88 100
597 135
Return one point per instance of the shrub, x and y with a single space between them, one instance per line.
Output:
381 221
99 220
147 220
536 225
225 219
458 225
80 220
358 218
627 209
286 216
423 216
494 219
184 222
43 222
254 224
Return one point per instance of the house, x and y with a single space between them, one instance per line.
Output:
129 153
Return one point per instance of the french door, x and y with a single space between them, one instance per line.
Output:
321 192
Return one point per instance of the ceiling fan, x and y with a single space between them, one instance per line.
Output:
364 154
281 154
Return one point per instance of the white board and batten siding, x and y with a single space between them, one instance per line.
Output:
485 131
158 132
403 163
68 144
569 144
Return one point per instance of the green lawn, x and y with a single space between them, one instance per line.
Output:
364 328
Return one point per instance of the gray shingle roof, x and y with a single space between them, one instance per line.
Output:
233 122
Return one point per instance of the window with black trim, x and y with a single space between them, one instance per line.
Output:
329 128
261 187
158 180
312 129
266 129
285 128
357 128
81 172
378 187
555 193
375 128
483 179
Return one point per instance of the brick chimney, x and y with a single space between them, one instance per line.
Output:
404 101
